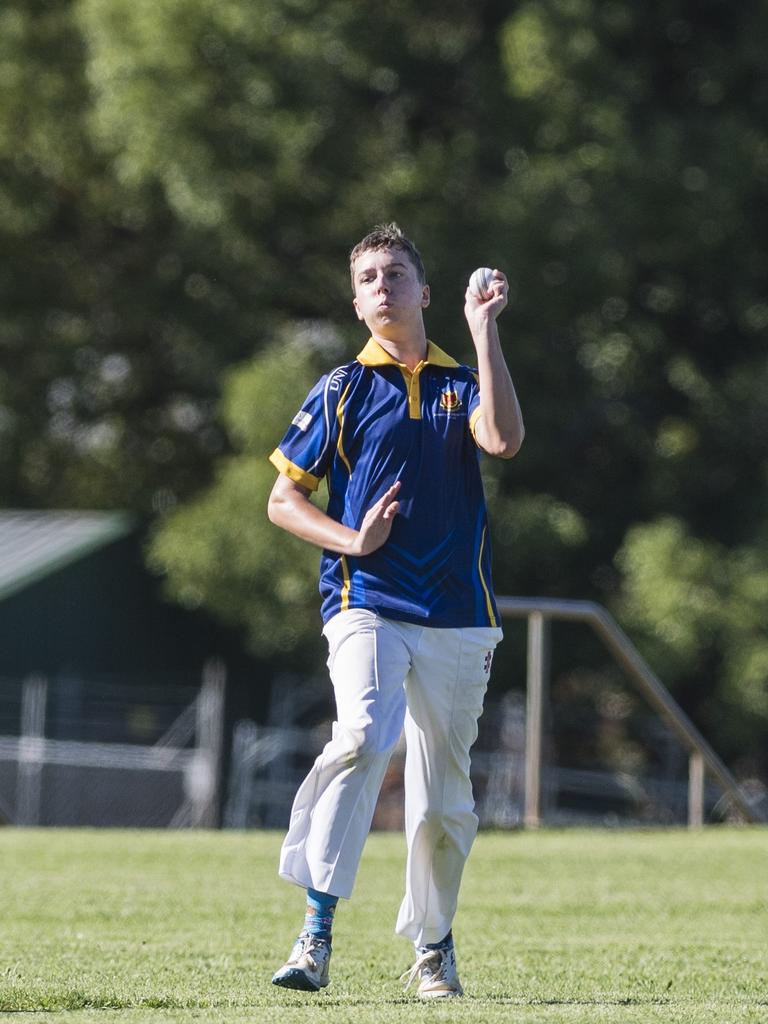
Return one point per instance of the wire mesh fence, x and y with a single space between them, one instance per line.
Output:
583 783
111 751
107 752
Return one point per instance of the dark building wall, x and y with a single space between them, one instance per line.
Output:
106 613
104 617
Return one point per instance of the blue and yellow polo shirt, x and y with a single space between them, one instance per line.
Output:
369 423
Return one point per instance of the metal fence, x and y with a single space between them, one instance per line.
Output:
117 752
268 763
702 759
106 752
519 776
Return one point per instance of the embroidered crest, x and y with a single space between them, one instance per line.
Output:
449 400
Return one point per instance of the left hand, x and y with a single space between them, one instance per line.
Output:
479 311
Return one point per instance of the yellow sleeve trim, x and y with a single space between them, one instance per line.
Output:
473 422
293 472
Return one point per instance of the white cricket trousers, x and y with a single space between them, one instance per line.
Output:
389 676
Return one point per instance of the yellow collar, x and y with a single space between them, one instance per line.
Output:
374 355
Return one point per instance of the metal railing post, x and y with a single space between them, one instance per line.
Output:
659 698
695 790
538 659
201 782
31 750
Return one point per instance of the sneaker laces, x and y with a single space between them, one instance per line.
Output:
432 957
316 949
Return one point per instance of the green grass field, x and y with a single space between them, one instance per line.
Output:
553 927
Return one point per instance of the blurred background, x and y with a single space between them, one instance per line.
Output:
180 186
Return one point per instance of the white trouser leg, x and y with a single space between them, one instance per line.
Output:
334 806
445 691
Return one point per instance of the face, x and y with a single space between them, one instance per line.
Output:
388 293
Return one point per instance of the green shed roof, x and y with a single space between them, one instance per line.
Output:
35 544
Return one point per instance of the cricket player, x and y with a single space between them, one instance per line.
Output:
407 602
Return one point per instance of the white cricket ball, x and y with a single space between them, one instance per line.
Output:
480 282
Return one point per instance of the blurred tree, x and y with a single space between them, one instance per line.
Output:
703 610
637 194
187 178
220 550
108 378
637 197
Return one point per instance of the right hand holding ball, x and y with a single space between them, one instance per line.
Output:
486 296
480 283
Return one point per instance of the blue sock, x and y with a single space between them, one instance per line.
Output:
319 917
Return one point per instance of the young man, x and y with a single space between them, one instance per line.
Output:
408 609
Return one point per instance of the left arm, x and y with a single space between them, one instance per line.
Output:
499 428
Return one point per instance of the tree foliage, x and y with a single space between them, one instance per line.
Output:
220 550
181 185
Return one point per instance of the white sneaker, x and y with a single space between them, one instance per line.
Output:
436 971
307 967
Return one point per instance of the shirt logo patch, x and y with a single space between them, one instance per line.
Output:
302 419
449 400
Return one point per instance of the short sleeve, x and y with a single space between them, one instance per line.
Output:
304 451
